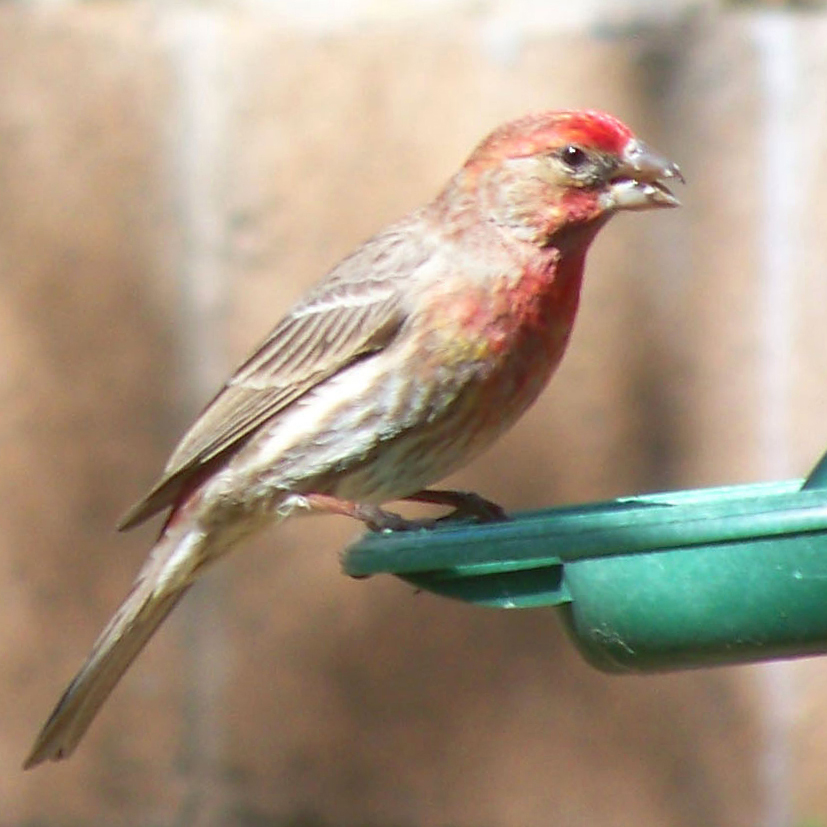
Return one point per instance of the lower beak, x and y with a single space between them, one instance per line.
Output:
629 194
637 184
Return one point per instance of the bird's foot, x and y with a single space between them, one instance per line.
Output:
378 519
465 504
374 517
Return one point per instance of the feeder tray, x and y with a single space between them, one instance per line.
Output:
651 583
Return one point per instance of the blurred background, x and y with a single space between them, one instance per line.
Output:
172 176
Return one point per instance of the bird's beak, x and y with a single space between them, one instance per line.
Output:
637 183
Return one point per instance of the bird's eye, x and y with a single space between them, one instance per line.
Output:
573 157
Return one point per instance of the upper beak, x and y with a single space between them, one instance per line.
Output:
637 183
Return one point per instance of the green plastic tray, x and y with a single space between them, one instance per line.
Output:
663 581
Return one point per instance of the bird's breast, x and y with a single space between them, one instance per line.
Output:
504 334
458 376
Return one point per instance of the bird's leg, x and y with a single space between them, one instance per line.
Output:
374 517
464 503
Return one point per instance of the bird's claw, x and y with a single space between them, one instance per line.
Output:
381 521
471 505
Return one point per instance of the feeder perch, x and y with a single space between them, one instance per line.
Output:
650 583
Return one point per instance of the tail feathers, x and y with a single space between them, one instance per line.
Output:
151 600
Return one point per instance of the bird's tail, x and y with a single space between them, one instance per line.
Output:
161 583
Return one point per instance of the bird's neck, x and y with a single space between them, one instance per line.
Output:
525 211
548 288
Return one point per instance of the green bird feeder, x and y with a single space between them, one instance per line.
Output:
651 583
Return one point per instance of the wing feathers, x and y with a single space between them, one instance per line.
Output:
355 311
302 351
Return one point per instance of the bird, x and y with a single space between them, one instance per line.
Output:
407 360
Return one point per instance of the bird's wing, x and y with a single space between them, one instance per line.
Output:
347 317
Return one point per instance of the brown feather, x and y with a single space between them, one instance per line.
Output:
117 646
345 318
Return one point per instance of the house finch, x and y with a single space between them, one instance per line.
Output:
406 361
